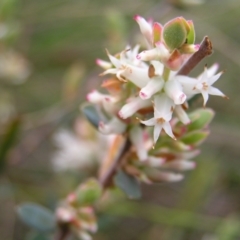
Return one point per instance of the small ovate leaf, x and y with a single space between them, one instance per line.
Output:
37 217
175 33
200 119
194 138
88 192
128 184
38 236
92 114
191 33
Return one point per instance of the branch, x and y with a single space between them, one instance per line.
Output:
106 179
204 51
63 232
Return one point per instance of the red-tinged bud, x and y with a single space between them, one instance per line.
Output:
175 33
157 32
175 61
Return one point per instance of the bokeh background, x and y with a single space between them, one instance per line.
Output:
47 65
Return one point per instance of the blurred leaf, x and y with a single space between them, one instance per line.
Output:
88 192
37 236
200 118
37 217
230 230
72 81
92 114
128 184
194 138
8 140
7 8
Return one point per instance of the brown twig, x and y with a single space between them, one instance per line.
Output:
204 51
106 179
63 232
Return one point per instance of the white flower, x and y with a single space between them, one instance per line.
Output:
163 109
154 85
174 90
179 165
103 64
137 138
181 114
74 153
133 106
145 28
203 84
114 126
108 102
125 71
160 52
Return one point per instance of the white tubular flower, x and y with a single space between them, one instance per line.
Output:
204 85
133 106
108 102
138 76
160 53
155 161
162 115
170 176
137 138
145 28
182 115
114 126
84 235
153 86
188 155
174 90
187 84
103 64
97 97
180 165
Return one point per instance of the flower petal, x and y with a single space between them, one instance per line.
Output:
156 132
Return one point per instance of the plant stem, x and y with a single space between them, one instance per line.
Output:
166 72
106 180
204 51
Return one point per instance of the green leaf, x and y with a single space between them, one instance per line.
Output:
200 119
128 184
175 33
8 140
88 192
194 138
37 236
92 114
191 34
37 217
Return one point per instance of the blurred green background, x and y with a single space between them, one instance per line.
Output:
57 43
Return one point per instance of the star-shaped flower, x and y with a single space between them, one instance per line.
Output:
163 109
203 84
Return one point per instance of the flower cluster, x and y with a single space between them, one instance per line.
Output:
76 212
145 89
